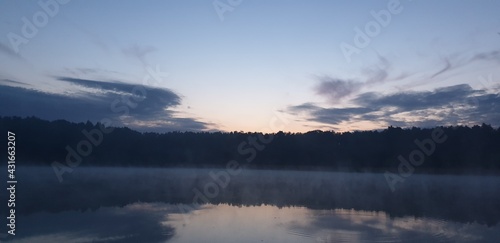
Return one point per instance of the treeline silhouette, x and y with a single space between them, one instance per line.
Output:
466 149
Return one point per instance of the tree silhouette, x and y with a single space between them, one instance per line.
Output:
467 149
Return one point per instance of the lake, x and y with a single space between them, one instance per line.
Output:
216 205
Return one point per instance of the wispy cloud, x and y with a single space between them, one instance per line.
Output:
456 61
487 56
457 104
138 52
378 73
335 89
5 50
446 67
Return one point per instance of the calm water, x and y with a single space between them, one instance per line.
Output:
203 205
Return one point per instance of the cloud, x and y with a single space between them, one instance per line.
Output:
487 107
338 115
138 52
379 73
9 52
89 71
9 81
151 102
136 106
336 89
447 67
487 56
332 116
456 61
452 105
302 107
410 101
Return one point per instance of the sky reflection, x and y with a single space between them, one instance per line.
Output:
266 223
464 199
138 222
160 222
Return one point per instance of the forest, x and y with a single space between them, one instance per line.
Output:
461 149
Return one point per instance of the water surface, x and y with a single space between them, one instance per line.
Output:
183 205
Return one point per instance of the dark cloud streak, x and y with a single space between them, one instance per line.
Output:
9 81
458 104
136 106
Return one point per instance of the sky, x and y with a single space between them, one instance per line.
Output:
240 65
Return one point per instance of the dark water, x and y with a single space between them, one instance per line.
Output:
212 205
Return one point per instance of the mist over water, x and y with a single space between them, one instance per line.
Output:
126 204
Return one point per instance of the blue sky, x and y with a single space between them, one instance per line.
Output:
433 63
